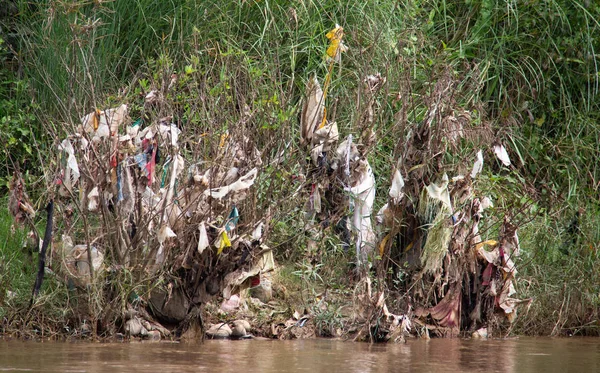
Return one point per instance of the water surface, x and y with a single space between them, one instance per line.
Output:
437 355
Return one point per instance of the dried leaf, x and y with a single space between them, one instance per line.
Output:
383 243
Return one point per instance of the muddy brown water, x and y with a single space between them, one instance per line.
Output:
449 355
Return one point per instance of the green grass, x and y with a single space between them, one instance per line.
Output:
17 268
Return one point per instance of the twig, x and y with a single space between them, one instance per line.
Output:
42 256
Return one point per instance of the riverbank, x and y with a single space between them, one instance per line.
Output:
385 169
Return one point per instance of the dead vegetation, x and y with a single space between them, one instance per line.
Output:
159 219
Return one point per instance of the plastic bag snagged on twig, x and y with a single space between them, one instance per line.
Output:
364 196
103 123
242 183
502 154
478 165
396 192
71 170
434 197
203 240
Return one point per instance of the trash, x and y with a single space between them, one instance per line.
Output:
312 110
203 240
502 154
127 201
103 123
70 170
157 211
230 304
481 333
80 255
262 291
258 231
346 153
75 261
447 312
93 199
242 183
245 324
315 200
235 280
316 132
364 195
164 233
151 97
486 203
396 193
222 242
232 219
218 331
239 328
478 165
170 305
134 328
336 46
436 245
435 199
322 140
154 336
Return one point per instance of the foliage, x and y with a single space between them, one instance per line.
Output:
18 124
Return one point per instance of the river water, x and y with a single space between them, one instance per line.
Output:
441 355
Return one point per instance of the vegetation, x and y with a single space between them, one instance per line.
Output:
521 74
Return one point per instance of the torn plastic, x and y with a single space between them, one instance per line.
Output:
258 231
502 154
336 45
242 183
103 123
312 110
478 165
165 232
363 196
396 192
71 169
75 260
322 141
222 242
234 281
436 195
203 242
346 154
92 197
232 219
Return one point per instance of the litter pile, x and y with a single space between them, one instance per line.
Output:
133 204
458 280
155 233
